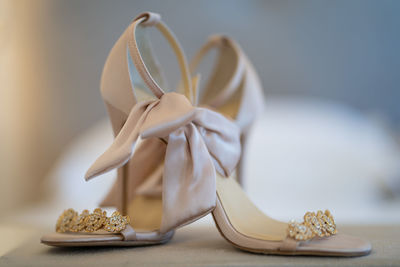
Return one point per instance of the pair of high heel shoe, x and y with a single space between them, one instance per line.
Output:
178 156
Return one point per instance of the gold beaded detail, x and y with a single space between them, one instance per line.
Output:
116 223
80 222
70 221
319 224
66 220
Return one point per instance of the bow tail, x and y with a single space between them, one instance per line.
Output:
121 149
189 179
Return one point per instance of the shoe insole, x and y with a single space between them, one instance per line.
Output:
146 213
244 216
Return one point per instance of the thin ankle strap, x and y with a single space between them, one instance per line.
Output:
153 19
218 42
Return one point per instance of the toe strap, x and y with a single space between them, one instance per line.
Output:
288 244
128 233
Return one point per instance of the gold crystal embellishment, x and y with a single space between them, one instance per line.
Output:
116 223
70 221
66 220
320 224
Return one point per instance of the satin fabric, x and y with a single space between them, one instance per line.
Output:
199 143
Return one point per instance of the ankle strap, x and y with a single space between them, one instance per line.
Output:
153 19
219 42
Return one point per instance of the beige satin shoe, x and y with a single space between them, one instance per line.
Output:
200 150
234 90
137 191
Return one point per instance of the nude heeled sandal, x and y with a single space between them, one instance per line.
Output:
122 87
234 90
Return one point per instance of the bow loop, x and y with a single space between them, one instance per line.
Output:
172 112
200 142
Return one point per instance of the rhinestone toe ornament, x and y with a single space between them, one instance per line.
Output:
66 220
70 221
116 223
320 224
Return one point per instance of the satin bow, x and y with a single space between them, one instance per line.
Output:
199 143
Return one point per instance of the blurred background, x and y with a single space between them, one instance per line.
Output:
329 136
